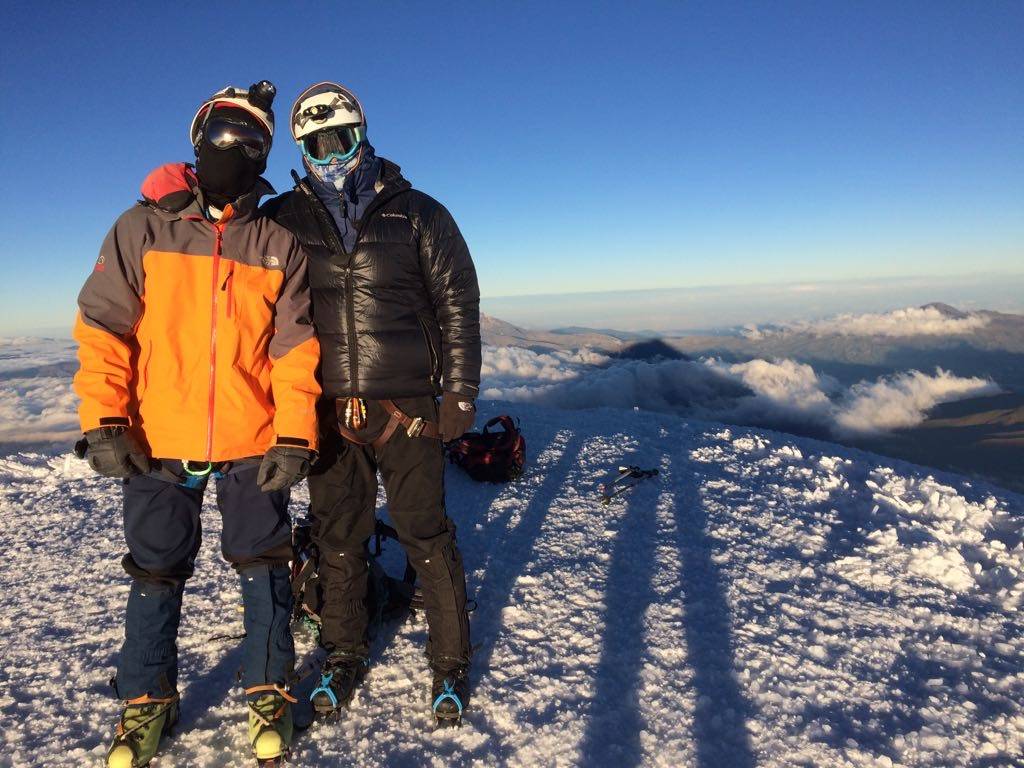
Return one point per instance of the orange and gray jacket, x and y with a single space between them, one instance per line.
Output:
198 333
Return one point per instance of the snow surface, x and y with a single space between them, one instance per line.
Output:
767 600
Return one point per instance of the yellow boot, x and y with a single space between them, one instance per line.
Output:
270 723
144 722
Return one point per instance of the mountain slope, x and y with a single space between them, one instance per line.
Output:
768 600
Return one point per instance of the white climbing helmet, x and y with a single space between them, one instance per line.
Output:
325 105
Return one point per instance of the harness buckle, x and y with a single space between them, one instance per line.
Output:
415 428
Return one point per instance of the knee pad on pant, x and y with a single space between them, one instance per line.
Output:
279 555
343 568
173 576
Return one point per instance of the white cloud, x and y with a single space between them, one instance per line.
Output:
39 409
785 395
910 321
37 404
26 354
780 394
900 401
501 363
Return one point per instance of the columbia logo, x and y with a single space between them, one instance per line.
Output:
394 215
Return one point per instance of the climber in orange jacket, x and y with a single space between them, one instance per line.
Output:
197 360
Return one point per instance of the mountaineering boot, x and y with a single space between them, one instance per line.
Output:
450 690
341 675
270 723
144 722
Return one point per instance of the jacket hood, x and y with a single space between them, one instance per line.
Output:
173 191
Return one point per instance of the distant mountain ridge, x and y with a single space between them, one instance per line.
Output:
947 310
499 333
994 350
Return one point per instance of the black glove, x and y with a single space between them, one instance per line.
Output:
282 467
457 415
114 452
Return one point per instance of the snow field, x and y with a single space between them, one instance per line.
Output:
767 600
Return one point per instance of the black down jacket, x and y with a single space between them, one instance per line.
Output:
399 316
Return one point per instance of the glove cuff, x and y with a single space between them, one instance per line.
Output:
107 432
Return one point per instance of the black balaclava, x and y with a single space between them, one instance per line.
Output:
227 174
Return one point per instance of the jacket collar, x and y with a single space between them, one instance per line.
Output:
172 192
389 179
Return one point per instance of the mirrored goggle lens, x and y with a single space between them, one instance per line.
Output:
224 134
339 141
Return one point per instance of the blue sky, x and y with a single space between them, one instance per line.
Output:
581 146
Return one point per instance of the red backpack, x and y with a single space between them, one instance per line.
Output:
492 457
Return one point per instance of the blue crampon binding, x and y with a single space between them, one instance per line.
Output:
325 687
448 693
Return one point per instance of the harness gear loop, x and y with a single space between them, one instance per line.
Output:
414 427
186 465
355 413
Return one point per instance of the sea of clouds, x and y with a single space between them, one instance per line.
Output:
779 394
37 404
910 321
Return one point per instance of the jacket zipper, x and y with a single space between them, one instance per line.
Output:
213 343
229 286
350 310
326 222
434 361
350 320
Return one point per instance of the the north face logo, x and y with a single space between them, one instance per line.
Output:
271 261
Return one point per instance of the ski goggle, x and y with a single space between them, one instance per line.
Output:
225 133
336 143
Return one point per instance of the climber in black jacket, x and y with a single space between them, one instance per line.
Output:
396 308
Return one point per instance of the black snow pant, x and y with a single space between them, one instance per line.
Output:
343 496
163 531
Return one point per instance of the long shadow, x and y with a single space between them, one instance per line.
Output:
516 546
504 554
721 712
469 501
614 721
